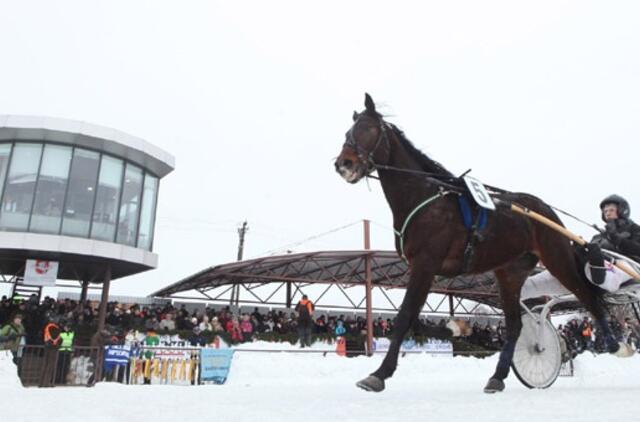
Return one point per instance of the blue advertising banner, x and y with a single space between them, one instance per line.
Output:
116 355
215 364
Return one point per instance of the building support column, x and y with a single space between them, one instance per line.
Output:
83 292
288 301
102 313
368 287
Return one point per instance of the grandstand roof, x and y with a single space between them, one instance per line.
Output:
345 268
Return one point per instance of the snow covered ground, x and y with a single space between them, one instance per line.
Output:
309 387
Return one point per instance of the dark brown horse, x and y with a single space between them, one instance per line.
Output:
435 237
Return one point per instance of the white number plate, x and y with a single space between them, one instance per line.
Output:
479 193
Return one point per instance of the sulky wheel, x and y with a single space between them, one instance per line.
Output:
537 357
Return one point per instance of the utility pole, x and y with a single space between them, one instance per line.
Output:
235 291
368 287
241 232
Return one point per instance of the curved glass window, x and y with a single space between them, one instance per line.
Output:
50 190
105 212
20 185
81 193
59 189
130 205
147 214
5 151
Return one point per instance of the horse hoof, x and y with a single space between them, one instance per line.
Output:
624 351
371 383
493 386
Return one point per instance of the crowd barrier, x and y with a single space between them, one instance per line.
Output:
166 365
178 365
42 366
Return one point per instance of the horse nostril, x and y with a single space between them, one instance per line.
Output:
347 163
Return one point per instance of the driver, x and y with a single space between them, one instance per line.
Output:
620 235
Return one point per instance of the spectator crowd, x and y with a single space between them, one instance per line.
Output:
122 319
580 335
200 326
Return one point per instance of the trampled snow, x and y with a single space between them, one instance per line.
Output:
268 386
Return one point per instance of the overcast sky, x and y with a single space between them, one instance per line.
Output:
253 99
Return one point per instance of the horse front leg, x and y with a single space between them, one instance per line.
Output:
511 278
414 298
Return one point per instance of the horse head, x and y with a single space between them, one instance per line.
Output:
366 144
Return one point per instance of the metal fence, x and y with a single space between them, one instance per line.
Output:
41 366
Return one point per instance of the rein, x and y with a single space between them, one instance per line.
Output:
435 178
446 184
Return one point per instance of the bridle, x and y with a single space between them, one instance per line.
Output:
363 155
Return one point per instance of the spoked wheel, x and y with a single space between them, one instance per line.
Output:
537 357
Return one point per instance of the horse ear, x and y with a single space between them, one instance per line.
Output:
369 105
355 115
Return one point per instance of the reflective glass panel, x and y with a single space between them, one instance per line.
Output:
147 214
5 150
82 185
108 195
52 185
21 181
129 207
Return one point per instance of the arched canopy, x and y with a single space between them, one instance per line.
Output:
345 268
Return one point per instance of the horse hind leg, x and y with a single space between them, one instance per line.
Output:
510 277
561 265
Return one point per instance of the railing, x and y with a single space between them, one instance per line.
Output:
84 366
43 366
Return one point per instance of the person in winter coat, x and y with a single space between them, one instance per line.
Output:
65 352
216 327
305 308
620 235
246 327
11 335
205 325
233 328
52 342
196 339
340 330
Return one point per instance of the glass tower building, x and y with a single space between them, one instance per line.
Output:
81 182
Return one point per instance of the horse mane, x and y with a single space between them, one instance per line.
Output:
425 163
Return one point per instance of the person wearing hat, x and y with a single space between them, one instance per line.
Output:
620 235
11 335
197 339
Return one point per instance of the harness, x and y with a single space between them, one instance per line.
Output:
407 220
474 226
368 158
